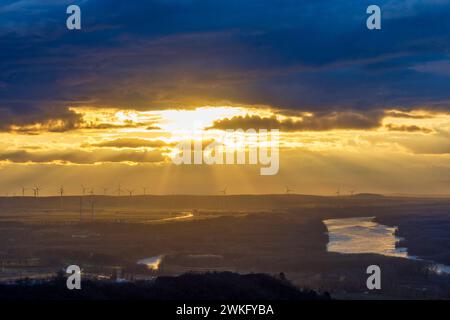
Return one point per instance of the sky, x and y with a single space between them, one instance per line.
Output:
358 110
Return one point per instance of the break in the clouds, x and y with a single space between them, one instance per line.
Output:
366 108
302 55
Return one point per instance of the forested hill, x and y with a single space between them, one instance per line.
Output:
190 286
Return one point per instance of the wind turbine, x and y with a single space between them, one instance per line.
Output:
338 192
222 202
36 191
84 189
288 191
130 192
119 190
91 199
61 193
105 190
351 192
23 191
145 190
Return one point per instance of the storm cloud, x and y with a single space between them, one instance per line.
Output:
303 55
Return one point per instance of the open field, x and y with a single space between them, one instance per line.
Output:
267 233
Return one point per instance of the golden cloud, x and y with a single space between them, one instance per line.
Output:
82 157
131 143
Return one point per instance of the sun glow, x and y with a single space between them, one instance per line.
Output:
121 140
168 120
196 119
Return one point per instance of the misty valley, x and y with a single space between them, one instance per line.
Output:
320 243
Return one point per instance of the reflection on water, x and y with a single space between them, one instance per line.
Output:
363 235
152 263
440 269
184 215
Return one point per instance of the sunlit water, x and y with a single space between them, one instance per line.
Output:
441 269
185 215
363 235
152 263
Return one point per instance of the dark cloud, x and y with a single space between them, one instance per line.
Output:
43 119
100 126
153 127
408 115
52 120
299 54
310 122
407 128
82 157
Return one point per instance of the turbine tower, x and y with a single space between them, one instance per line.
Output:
144 189
119 190
130 192
84 189
61 193
288 191
92 201
338 192
36 191
224 191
